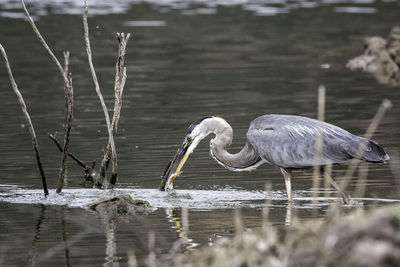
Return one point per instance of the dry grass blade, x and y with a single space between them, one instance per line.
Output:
27 118
237 217
97 86
362 177
265 210
151 259
327 177
132 262
385 105
318 142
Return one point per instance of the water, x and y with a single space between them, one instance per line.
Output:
185 61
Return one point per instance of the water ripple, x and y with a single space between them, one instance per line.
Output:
102 7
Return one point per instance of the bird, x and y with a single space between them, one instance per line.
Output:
285 141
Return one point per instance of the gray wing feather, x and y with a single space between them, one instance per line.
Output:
289 141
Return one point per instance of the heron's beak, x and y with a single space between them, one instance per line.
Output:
174 167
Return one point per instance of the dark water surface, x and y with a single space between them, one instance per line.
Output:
184 62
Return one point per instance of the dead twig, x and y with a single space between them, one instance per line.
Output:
120 79
89 170
27 118
68 93
97 86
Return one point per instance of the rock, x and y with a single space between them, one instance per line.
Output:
121 205
381 58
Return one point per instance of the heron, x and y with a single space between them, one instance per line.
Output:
285 141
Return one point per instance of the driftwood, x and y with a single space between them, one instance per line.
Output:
68 93
27 118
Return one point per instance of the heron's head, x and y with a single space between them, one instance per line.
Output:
195 133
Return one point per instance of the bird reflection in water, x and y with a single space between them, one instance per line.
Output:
181 226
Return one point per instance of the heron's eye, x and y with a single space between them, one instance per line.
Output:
189 138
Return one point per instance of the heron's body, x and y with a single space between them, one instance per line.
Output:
285 141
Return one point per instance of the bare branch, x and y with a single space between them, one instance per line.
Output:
68 95
120 79
78 161
89 170
27 118
96 83
43 42
68 91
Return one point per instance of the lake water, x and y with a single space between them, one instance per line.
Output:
185 60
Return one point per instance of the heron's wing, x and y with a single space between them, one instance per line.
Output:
289 141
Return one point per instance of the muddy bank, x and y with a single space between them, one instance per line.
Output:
381 58
359 239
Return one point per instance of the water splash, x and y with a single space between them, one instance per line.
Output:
193 199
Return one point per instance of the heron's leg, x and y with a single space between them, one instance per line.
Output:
346 196
286 174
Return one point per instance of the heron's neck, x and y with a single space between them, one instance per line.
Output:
242 160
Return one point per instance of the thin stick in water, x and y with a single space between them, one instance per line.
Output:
28 120
68 91
120 79
97 86
68 94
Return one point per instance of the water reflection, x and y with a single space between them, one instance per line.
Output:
36 236
181 227
288 217
64 235
111 244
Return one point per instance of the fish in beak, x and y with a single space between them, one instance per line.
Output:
194 135
174 167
